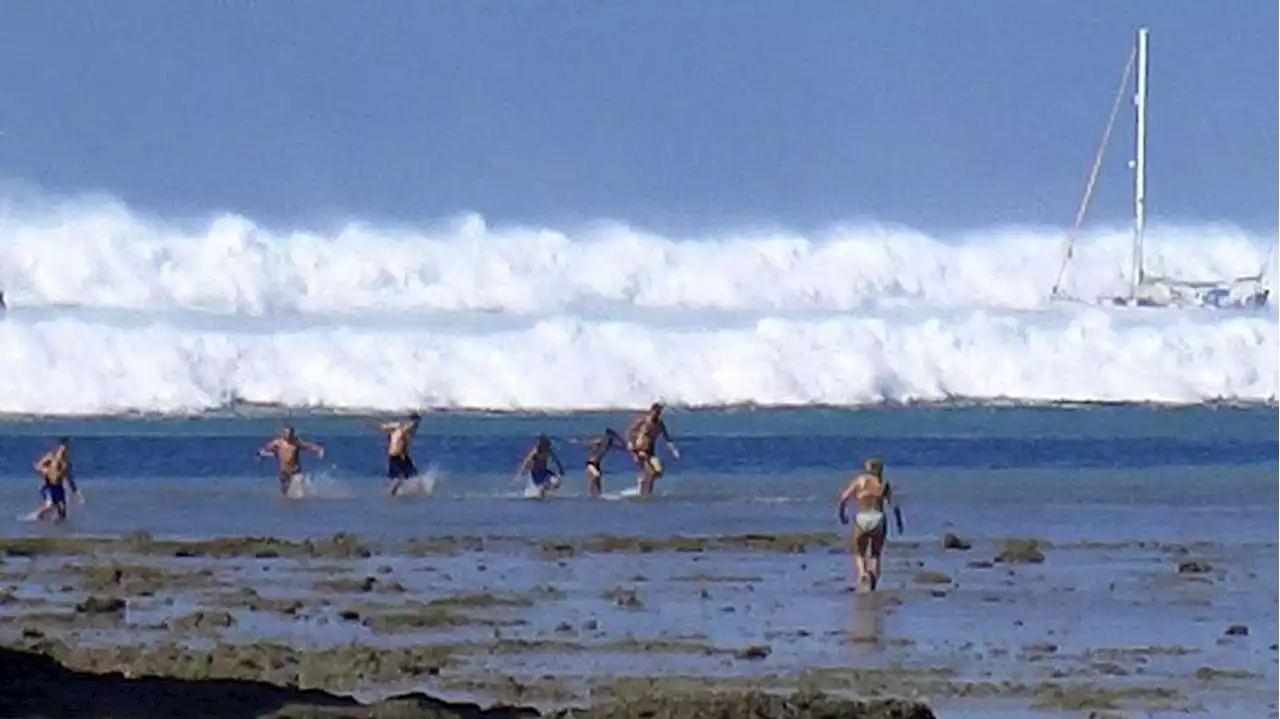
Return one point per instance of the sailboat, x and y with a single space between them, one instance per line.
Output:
1147 289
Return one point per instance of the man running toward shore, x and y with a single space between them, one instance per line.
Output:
400 466
55 468
870 528
535 463
642 438
287 448
597 448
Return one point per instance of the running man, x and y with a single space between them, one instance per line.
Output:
55 468
642 438
871 494
400 466
535 463
287 448
596 450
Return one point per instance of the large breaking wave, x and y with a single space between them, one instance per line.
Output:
114 312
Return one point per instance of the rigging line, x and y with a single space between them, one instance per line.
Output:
1093 173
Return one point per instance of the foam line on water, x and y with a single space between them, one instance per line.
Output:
71 366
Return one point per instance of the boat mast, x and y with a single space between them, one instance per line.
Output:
1140 165
1092 183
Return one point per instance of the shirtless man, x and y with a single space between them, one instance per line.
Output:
642 438
55 468
287 448
400 466
535 463
871 493
596 450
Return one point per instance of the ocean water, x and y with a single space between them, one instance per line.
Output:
142 315
1120 494
1055 473
171 350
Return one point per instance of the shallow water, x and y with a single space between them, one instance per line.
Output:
1095 615
1123 495
991 471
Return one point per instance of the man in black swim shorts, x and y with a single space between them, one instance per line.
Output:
400 465
596 451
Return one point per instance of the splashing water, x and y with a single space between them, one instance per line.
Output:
318 486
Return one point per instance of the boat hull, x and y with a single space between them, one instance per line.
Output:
1209 296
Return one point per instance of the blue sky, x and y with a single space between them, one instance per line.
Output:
935 114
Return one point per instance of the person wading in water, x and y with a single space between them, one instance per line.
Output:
871 494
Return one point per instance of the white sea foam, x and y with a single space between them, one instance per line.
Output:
317 485
608 317
102 255
78 367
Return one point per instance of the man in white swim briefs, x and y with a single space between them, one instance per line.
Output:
871 494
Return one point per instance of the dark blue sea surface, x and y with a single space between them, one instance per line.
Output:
1121 496
1015 470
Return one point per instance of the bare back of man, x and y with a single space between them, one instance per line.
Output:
400 435
536 463
55 469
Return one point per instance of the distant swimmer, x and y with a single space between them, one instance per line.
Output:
400 466
596 451
871 494
287 448
535 463
642 438
55 468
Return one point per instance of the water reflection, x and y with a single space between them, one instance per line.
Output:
869 610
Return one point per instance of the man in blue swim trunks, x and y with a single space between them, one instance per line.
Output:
55 468
535 463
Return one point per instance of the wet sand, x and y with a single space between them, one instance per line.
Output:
971 627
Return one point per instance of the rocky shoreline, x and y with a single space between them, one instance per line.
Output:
759 625
35 685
